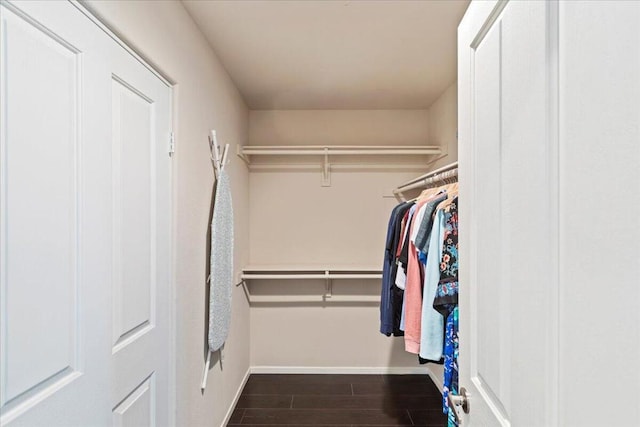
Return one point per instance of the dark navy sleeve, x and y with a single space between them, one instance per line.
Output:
386 303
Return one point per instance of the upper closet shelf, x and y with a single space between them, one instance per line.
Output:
247 152
335 150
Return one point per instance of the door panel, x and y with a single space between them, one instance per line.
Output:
529 209
134 284
52 264
600 216
138 408
491 290
40 246
507 175
84 226
141 244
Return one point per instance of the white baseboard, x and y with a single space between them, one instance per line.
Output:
227 417
374 370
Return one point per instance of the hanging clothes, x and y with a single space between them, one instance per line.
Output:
415 283
446 302
447 292
413 287
391 296
401 273
426 227
386 315
432 332
421 256
450 366
418 218
420 282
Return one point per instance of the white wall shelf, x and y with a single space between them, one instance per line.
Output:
248 151
312 298
326 273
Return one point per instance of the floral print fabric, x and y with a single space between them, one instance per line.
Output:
447 292
450 365
446 302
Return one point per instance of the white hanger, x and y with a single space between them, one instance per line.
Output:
219 161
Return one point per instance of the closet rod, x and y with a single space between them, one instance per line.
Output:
427 180
421 178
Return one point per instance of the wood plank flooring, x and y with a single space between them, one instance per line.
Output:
339 400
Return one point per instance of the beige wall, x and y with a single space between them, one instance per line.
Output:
443 125
296 221
204 98
339 127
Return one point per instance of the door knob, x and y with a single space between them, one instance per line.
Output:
458 402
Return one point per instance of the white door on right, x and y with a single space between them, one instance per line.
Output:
508 153
549 133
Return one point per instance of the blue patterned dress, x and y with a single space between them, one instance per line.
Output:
446 302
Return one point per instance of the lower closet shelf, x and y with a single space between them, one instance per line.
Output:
312 298
313 273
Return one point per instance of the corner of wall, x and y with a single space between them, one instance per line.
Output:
443 125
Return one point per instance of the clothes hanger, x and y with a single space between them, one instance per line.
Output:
429 192
218 160
445 186
435 190
452 194
425 194
215 153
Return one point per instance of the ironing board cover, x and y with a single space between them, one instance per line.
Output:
221 276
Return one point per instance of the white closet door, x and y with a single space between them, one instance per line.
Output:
599 341
84 225
141 241
508 212
55 221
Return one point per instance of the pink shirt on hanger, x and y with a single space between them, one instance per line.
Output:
413 292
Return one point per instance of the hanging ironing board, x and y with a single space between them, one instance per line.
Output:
221 261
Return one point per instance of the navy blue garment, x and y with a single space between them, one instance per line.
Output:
397 294
386 308
389 268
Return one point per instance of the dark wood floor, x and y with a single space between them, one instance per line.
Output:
339 400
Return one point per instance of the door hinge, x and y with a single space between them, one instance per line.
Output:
172 144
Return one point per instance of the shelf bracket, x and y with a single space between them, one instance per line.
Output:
243 156
326 169
328 285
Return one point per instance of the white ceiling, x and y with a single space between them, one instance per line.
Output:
323 54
